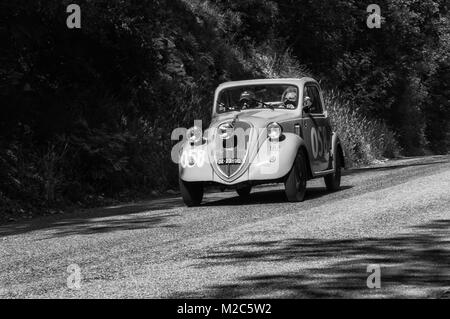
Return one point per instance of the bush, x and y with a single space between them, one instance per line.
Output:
364 140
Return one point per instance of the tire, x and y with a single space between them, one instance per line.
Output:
333 181
244 192
295 184
192 193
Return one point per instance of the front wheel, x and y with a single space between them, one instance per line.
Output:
192 193
333 181
295 184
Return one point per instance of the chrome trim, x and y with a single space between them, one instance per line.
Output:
244 164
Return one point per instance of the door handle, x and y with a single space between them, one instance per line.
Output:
297 129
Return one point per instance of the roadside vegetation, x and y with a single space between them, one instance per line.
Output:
87 115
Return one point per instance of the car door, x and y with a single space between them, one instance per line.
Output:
316 130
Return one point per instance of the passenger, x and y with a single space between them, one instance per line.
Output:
289 98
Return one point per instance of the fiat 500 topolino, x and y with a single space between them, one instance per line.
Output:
262 131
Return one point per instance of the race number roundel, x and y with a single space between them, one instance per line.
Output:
314 142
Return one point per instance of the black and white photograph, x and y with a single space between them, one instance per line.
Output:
224 154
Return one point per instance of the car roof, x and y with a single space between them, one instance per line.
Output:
296 81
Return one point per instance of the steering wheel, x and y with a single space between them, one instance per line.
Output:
246 104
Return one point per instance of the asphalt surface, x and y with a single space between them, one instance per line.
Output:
395 215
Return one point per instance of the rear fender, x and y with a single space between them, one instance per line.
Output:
338 150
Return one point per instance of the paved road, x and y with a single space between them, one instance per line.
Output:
396 215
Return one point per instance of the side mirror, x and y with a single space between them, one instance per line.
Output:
307 103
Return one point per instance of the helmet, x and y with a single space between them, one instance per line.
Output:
247 95
247 99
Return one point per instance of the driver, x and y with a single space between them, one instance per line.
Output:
289 98
248 100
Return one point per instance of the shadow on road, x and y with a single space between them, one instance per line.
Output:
134 216
117 218
101 220
418 259
267 197
429 162
89 227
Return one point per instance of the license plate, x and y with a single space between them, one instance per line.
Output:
226 161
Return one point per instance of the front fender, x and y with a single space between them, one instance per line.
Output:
275 160
200 170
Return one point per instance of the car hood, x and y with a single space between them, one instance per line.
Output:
257 118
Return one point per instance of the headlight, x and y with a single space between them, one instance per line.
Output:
225 131
274 131
194 134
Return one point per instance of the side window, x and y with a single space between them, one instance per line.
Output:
313 93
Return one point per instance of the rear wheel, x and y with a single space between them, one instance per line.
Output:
192 193
333 181
295 184
244 192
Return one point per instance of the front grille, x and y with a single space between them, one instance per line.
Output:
233 152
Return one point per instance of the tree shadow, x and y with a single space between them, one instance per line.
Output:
429 162
99 220
89 227
419 259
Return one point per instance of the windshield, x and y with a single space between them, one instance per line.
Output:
273 96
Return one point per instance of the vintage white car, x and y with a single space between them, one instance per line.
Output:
262 131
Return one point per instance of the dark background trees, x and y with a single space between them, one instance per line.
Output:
88 113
